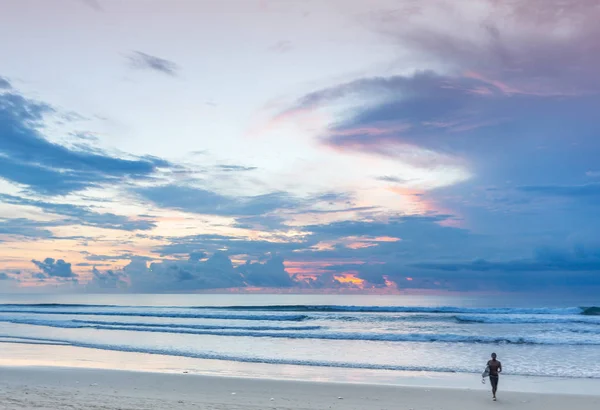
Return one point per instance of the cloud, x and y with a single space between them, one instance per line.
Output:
202 201
409 236
112 258
392 179
5 276
27 158
55 268
332 197
31 229
580 258
4 84
557 269
570 191
144 61
262 222
490 96
25 227
326 280
229 245
430 119
496 95
499 97
401 117
216 272
394 226
88 264
235 168
196 256
386 248
107 280
538 47
268 274
82 215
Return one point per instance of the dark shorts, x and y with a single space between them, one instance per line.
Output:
494 382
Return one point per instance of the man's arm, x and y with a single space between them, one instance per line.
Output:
499 367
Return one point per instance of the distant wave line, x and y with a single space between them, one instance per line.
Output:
591 320
375 337
332 308
412 309
277 318
192 326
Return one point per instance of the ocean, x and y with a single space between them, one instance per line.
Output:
532 337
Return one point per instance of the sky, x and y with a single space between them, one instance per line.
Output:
326 146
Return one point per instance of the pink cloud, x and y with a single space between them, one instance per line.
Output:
528 88
307 117
534 47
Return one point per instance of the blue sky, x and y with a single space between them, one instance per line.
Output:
166 146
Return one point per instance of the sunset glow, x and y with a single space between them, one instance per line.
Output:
388 147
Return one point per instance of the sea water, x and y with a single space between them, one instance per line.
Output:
532 337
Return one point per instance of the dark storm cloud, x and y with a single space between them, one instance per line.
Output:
144 61
29 159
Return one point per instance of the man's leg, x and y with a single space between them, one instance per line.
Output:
494 383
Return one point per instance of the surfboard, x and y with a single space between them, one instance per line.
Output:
486 372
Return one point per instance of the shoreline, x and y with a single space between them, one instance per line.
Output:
66 357
62 388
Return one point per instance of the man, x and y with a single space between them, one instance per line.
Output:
495 369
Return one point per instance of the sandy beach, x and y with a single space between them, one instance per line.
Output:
70 388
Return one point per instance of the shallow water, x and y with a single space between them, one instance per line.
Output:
386 333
